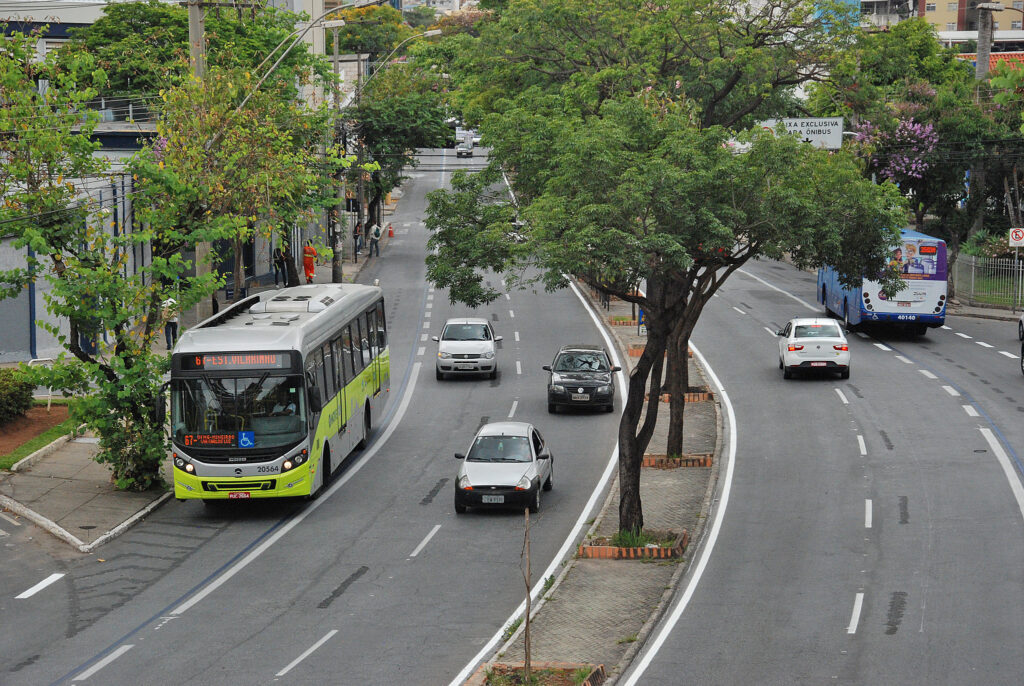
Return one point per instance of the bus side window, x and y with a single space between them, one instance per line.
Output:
316 370
371 329
330 387
382 327
357 357
339 360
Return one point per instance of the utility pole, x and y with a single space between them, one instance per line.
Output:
985 30
197 57
360 190
340 228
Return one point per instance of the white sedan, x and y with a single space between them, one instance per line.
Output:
813 344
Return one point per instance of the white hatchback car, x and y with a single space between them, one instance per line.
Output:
508 464
466 346
813 344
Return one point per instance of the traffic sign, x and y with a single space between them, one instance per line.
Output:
1017 237
823 132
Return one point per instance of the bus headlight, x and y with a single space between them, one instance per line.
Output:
183 465
295 461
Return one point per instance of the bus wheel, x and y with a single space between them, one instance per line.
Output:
366 429
846 315
325 474
920 329
1020 330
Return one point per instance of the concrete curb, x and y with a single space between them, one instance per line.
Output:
32 458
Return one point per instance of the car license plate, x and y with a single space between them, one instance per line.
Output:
581 396
817 364
494 499
464 365
238 494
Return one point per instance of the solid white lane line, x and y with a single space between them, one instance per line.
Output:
40 586
425 541
1012 356
882 347
519 367
984 345
738 310
1004 462
511 314
770 332
517 336
423 337
858 602
307 652
971 412
952 391
903 359
705 554
104 662
512 412
420 350
312 507
962 335
11 519
927 374
861 445
867 513
776 288
842 397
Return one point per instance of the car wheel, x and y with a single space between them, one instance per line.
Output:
438 375
780 363
551 475
460 509
1020 330
493 374
535 505
787 373
552 408
609 408
845 374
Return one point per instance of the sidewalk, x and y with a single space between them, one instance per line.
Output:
63 490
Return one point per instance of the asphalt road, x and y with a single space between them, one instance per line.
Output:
378 582
872 529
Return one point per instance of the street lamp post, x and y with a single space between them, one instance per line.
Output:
338 234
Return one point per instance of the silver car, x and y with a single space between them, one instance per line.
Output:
813 344
466 346
508 464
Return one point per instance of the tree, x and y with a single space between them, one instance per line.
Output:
420 17
374 30
612 122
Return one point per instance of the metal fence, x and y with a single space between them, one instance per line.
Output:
988 281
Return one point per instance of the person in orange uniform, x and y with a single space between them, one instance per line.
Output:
309 260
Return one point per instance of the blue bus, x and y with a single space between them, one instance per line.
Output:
918 306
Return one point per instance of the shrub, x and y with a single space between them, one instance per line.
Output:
15 396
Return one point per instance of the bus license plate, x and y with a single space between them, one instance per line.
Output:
238 494
581 396
903 303
493 499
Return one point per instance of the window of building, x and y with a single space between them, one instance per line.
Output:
1015 25
995 26
955 6
929 7
1018 4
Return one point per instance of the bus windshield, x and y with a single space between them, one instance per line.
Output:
244 412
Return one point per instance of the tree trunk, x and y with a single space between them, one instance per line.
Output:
679 384
239 271
291 271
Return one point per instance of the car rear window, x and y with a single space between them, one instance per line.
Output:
817 331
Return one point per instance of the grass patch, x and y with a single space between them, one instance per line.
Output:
548 583
42 440
628 639
632 539
511 629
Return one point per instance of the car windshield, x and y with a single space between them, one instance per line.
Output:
466 332
817 331
259 412
500 449
581 362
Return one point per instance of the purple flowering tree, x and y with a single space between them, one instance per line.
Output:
904 154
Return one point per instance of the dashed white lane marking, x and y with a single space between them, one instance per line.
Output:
425 541
963 335
426 325
307 652
882 347
517 336
738 310
406 223
420 350
842 397
984 345
927 374
952 391
860 444
40 586
11 519
423 337
512 412
397 241
867 513
519 367
903 359
3 533
861 334
427 313
431 290
430 296
430 305
104 662
508 297
770 332
971 412
858 602
511 314
946 328
1010 355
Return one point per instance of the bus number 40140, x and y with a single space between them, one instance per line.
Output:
907 317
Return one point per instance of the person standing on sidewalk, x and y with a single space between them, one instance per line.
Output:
309 260
171 324
374 241
279 266
357 236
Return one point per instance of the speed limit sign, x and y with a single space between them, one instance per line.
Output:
1017 238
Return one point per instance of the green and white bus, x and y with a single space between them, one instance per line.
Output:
269 396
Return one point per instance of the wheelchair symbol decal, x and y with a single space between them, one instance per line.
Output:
246 439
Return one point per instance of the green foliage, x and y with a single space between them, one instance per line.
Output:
511 629
42 440
15 396
420 17
548 583
373 29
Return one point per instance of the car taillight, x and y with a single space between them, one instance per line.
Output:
841 347
791 347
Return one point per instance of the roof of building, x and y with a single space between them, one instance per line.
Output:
1012 58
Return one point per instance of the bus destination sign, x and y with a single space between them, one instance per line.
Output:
211 440
225 361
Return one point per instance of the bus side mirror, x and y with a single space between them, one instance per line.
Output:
315 403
